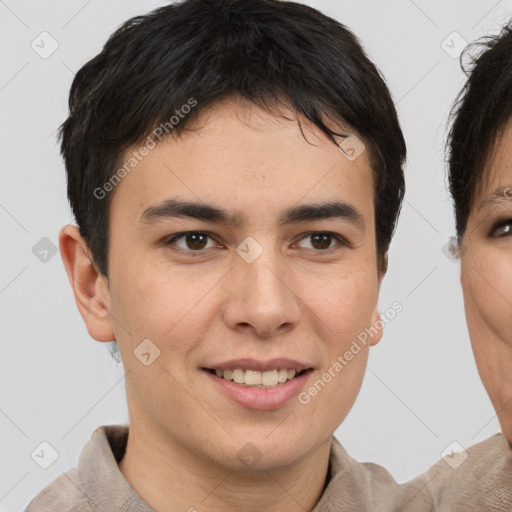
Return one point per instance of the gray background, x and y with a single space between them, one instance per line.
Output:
421 391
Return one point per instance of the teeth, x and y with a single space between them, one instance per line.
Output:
282 375
239 376
269 378
251 378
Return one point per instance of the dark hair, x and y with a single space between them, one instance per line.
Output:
480 112
196 52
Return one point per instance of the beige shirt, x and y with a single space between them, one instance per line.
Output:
483 482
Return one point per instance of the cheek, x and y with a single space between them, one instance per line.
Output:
342 318
487 287
346 303
159 305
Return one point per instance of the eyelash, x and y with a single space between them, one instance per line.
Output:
169 241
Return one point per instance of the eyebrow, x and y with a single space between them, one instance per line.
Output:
497 196
174 208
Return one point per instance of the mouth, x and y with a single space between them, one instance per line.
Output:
254 379
259 384
259 390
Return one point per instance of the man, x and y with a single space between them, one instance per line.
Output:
235 170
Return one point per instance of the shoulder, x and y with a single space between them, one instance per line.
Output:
96 480
364 474
64 494
356 486
474 479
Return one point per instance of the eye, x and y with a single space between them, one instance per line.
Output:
195 243
191 241
503 229
321 241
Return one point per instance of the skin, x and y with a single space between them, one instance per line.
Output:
296 300
486 278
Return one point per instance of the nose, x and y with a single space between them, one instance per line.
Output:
260 296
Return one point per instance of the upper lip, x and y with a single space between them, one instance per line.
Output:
261 366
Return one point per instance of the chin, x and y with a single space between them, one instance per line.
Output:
267 450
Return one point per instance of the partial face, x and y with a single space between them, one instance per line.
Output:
486 277
253 282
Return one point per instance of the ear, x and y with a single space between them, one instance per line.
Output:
377 322
378 326
89 286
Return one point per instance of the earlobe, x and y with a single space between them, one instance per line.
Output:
377 328
90 288
377 323
383 267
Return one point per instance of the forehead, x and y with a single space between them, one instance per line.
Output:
243 157
495 184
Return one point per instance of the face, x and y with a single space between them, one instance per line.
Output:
486 277
223 257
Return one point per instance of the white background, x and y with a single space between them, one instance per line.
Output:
421 391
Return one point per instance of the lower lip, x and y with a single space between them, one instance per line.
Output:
254 398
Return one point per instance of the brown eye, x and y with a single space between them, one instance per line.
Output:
192 241
503 230
195 241
322 241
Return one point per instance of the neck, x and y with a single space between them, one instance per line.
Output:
168 477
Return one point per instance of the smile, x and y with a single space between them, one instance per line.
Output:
256 379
